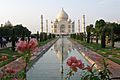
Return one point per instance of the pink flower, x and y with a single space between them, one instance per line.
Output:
33 44
21 46
73 59
10 71
80 65
4 57
88 68
74 63
69 62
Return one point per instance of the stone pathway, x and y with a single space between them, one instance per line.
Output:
113 67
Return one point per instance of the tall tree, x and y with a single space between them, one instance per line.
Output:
112 36
89 29
21 31
13 40
114 27
98 28
92 33
38 35
103 36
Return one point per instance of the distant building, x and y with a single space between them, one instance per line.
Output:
62 24
8 23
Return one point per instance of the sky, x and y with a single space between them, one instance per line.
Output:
28 12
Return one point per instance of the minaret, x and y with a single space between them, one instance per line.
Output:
83 24
46 26
78 26
51 26
41 23
73 27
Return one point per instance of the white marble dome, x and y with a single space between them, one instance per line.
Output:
8 23
62 16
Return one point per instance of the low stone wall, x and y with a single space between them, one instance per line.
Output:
90 60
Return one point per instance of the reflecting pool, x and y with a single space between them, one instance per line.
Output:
52 63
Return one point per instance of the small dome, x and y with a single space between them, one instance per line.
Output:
56 20
69 20
8 23
62 16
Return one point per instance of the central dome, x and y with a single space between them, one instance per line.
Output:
62 16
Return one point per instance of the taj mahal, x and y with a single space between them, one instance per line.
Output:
62 24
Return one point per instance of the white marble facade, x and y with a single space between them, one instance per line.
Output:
62 24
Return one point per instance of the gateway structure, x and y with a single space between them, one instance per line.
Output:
62 24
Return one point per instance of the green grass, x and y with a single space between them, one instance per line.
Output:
44 42
9 53
6 62
103 51
115 60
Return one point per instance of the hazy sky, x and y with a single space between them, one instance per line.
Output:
27 12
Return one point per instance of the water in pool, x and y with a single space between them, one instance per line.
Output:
50 65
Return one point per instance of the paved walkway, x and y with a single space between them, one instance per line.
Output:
8 45
113 67
19 63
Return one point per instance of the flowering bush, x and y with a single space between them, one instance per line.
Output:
91 74
74 63
10 71
26 48
7 73
23 46
4 57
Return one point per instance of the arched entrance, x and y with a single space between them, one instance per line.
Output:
62 28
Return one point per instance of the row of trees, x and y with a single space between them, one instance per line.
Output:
21 31
104 31
18 30
79 36
13 33
43 36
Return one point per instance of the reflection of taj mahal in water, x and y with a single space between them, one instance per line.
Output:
66 49
62 24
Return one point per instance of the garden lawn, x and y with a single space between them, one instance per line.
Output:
108 52
44 42
10 56
14 55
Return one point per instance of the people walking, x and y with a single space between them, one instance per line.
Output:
1 42
4 42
